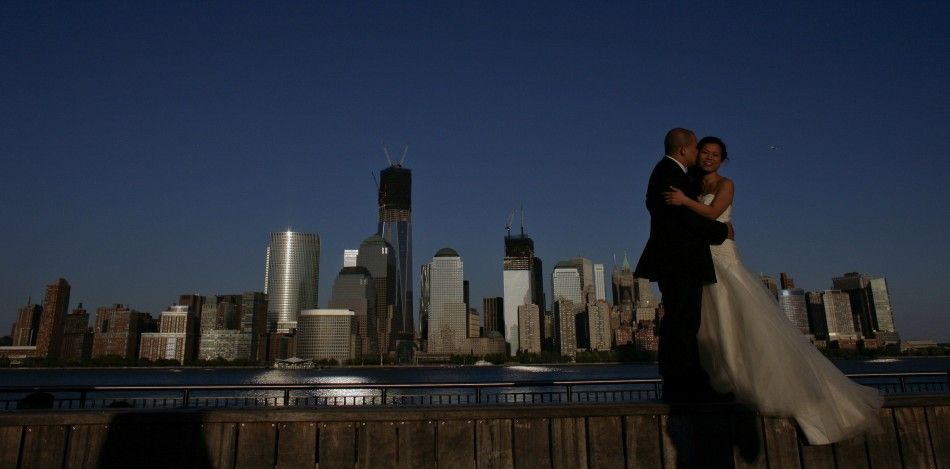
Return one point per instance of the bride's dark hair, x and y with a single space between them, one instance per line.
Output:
717 141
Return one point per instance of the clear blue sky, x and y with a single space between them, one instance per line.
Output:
149 148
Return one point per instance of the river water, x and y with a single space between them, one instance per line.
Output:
394 375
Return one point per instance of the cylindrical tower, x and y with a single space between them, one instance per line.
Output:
291 277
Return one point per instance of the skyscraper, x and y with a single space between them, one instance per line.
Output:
291 277
26 325
494 310
49 335
600 290
355 290
77 338
117 331
786 281
870 304
327 334
622 287
838 315
770 284
520 282
448 316
395 226
378 258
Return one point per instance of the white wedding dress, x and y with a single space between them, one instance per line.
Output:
751 349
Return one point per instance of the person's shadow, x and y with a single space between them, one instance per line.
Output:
142 439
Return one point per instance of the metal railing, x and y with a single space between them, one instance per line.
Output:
399 395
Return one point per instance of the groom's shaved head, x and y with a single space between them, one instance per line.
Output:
677 138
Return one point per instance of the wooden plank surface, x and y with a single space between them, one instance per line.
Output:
256 443
677 441
568 443
85 445
852 453
220 441
883 449
378 446
817 456
748 437
493 441
297 445
914 437
532 441
44 446
642 434
781 442
178 444
337 445
938 421
417 444
455 444
10 439
605 436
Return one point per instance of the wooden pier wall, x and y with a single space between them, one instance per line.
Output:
649 434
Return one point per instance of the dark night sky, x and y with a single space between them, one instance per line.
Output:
149 148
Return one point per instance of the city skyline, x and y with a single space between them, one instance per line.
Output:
139 176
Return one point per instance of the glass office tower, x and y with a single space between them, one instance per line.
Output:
291 278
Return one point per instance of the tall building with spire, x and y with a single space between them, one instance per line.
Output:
395 226
522 281
291 277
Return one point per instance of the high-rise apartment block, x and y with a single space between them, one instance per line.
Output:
173 340
26 325
529 328
77 337
395 226
117 331
793 304
328 334
291 277
817 322
565 333
770 284
598 325
446 303
786 281
49 335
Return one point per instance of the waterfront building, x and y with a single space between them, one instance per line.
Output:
377 256
77 337
645 338
622 288
838 316
529 329
49 334
26 325
281 345
598 325
395 226
446 303
355 290
770 284
870 304
474 323
117 331
520 277
494 309
227 344
328 334
291 277
623 335
793 304
172 341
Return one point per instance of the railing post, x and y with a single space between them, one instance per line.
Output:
900 379
478 394
570 393
383 395
286 397
184 397
82 400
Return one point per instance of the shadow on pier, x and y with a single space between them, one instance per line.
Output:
647 434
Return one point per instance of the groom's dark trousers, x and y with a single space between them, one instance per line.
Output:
677 257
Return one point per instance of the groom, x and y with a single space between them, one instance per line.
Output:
677 257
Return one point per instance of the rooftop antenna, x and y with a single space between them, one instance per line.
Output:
511 217
373 173
386 152
404 151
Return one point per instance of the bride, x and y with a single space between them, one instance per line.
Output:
751 349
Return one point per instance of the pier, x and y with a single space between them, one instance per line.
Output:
651 434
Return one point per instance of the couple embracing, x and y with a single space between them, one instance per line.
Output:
723 336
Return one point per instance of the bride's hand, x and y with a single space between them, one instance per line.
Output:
674 196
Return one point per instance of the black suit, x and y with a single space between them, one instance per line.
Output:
677 257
